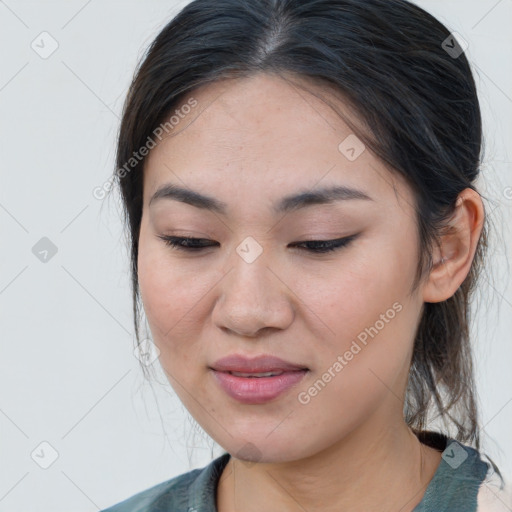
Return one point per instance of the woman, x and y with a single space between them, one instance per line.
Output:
298 180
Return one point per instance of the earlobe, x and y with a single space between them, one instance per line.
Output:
457 245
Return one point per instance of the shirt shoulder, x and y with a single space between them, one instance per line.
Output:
172 492
177 493
465 481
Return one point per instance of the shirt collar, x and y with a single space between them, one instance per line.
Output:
203 490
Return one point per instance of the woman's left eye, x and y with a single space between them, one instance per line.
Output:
320 246
315 246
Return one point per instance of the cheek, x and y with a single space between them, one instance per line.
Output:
367 288
369 303
172 303
372 319
173 299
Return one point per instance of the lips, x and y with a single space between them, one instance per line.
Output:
257 380
260 366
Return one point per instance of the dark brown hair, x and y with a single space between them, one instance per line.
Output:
390 61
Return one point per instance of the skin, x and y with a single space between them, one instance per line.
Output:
248 143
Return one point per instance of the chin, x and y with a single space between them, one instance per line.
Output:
260 449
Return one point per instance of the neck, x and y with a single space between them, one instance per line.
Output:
387 470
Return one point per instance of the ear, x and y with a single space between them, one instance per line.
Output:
454 255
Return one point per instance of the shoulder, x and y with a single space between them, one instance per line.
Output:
479 477
175 493
466 479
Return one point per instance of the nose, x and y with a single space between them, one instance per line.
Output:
253 299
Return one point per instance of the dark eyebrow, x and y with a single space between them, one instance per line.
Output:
324 195
289 203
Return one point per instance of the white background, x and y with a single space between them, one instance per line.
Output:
68 375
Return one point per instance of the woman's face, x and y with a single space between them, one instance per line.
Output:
347 315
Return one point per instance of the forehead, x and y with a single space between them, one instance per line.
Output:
265 112
262 134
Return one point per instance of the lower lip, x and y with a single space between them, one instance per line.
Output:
257 390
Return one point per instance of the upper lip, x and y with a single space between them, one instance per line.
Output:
259 364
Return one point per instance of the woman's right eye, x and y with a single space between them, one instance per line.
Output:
186 243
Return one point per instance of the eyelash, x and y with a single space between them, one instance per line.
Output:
313 246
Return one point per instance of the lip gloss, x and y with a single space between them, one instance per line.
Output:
257 390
